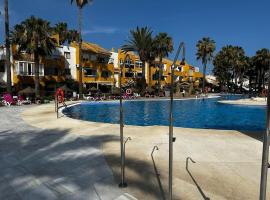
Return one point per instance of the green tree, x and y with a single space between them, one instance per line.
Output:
238 63
222 68
34 37
140 41
261 62
230 65
80 5
250 72
7 44
72 36
62 30
205 53
163 45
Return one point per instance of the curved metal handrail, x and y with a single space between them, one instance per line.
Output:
155 148
193 179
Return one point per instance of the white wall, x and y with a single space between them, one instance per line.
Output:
70 63
3 75
114 58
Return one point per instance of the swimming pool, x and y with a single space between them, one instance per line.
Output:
194 113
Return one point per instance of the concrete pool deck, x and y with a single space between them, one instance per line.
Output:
249 102
51 164
227 162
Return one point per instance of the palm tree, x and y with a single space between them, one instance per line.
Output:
205 51
62 30
80 5
140 41
72 36
239 63
163 45
7 38
34 37
261 61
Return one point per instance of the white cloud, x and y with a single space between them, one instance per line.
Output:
99 29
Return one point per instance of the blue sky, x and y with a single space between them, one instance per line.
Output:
107 22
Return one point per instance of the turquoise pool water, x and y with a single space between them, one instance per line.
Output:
195 113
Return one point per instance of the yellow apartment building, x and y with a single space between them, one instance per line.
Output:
51 70
98 71
132 69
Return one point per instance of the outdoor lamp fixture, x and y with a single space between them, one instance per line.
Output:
265 154
171 138
123 184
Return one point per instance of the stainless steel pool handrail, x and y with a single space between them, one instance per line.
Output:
157 173
124 166
265 153
122 184
193 179
171 139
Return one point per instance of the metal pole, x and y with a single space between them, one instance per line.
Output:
171 139
171 136
124 167
57 106
123 184
8 53
55 99
265 153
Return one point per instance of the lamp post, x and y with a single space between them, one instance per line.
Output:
123 184
265 153
171 139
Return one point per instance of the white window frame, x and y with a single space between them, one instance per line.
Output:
67 53
22 68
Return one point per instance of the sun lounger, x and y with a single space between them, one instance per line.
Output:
22 100
8 100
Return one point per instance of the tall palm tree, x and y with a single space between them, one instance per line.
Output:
140 41
80 5
239 63
261 61
7 38
163 45
61 29
205 51
34 37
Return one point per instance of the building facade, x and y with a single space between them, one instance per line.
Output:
101 69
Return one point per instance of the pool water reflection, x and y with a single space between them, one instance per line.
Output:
195 113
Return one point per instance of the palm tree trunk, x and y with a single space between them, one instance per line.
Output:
256 80
204 71
143 70
160 72
80 52
149 75
8 64
249 83
260 82
235 82
263 79
36 60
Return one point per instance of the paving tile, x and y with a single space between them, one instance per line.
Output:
44 164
